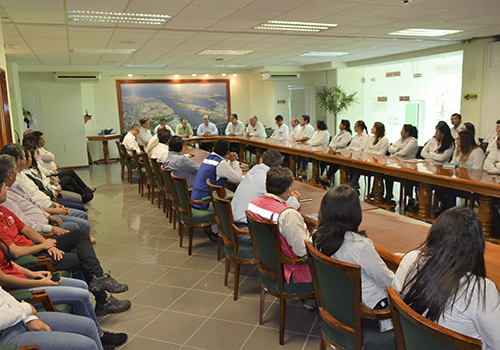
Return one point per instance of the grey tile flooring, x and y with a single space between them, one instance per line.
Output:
179 301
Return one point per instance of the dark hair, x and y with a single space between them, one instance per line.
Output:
347 125
184 118
14 149
31 141
143 120
411 130
175 144
362 125
271 158
467 145
498 121
278 180
279 117
458 115
340 212
221 147
306 118
235 116
37 133
450 264
379 131
164 135
163 120
469 126
7 165
447 140
321 125
31 151
6 252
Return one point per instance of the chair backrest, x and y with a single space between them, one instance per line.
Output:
223 216
136 159
170 187
120 153
183 197
147 167
125 155
337 286
157 172
419 152
484 146
219 189
412 330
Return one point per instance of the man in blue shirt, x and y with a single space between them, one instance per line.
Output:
179 163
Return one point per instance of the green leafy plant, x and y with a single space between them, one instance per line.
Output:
335 100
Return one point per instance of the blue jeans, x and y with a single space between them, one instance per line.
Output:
78 217
75 293
68 332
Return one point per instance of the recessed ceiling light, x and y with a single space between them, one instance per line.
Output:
100 51
425 32
225 52
323 54
177 75
229 66
223 74
116 17
295 26
130 75
206 75
235 75
145 65
193 75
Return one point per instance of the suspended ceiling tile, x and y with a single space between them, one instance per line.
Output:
187 22
97 5
77 60
36 16
173 34
157 8
37 31
257 15
49 60
24 59
34 4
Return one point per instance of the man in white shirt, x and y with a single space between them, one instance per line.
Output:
163 124
292 135
492 138
305 134
129 141
144 133
207 129
234 127
456 121
281 129
160 152
255 128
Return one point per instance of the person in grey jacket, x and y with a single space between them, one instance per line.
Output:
179 163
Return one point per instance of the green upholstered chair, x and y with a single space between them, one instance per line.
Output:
17 347
189 216
136 163
338 293
150 177
160 184
414 332
266 243
172 194
40 296
123 163
31 261
239 254
129 161
221 191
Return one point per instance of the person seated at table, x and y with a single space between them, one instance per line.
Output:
219 166
456 121
177 161
272 207
445 281
163 124
377 144
440 147
281 129
321 136
467 153
406 147
234 127
144 133
492 138
129 141
253 185
160 152
255 129
360 138
337 235
492 166
471 128
341 140
305 134
207 129
292 136
184 129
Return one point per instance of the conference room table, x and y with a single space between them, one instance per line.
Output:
392 234
427 174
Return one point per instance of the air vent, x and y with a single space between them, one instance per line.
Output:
70 77
279 76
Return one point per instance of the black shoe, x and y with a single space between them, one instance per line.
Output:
87 197
112 306
106 283
90 190
108 347
115 339
214 237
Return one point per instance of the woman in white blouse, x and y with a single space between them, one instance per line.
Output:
341 140
468 154
321 136
440 148
360 138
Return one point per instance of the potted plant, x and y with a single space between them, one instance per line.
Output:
335 100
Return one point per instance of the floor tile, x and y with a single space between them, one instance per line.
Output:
131 321
198 303
145 343
172 326
182 278
268 339
242 310
158 296
147 272
213 282
220 335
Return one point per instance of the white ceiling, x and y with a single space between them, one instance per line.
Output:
38 33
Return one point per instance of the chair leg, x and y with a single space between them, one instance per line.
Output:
236 280
228 267
322 344
262 303
152 194
282 320
123 172
129 175
181 233
219 245
190 246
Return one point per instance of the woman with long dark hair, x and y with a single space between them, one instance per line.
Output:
337 235
440 148
467 153
446 280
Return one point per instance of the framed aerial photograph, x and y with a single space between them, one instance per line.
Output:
173 100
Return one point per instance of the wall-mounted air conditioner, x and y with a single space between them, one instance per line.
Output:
279 76
71 77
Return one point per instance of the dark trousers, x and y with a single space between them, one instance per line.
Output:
77 181
285 163
302 162
332 169
206 146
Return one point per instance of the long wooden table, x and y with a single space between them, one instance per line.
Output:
426 173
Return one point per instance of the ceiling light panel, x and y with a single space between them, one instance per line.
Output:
229 66
225 52
145 65
116 17
101 51
295 26
425 32
324 54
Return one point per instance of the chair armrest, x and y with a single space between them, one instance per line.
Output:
204 200
289 261
48 235
229 198
239 231
40 296
21 294
374 314
44 261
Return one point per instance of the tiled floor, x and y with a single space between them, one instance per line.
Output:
179 302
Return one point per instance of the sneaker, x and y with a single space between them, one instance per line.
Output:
214 237
115 339
309 304
106 283
112 306
108 347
